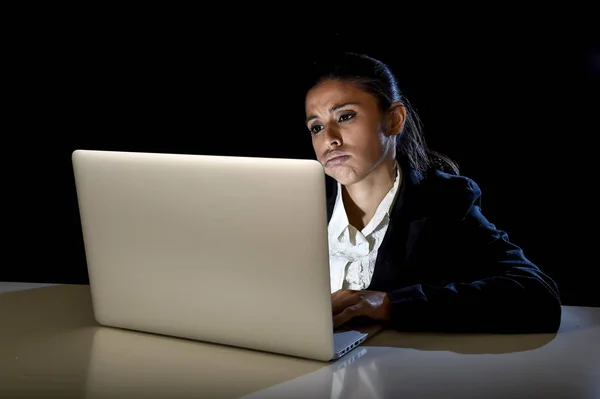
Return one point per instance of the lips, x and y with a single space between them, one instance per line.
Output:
337 160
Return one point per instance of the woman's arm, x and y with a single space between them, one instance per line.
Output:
510 294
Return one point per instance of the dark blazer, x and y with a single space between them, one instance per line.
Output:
446 268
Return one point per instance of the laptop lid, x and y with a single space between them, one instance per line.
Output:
230 250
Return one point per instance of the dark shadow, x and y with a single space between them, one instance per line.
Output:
581 321
464 343
469 344
45 340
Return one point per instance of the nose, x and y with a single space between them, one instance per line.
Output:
333 138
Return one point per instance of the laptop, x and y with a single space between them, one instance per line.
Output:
226 250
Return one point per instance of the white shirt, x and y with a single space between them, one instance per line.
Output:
352 253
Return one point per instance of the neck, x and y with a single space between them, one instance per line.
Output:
361 199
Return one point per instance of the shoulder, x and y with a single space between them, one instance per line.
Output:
456 186
447 195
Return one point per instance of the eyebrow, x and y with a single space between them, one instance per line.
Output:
334 108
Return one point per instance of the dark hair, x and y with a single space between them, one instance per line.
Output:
376 78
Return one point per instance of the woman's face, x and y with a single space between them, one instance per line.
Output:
347 132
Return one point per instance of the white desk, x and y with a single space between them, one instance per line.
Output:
50 346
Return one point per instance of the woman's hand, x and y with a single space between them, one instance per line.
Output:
348 304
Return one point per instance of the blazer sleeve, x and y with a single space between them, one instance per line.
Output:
509 295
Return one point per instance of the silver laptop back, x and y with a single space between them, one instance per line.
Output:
229 250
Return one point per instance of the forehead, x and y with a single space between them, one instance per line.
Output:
333 92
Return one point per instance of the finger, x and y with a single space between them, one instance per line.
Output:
345 316
341 292
336 294
341 302
348 314
344 292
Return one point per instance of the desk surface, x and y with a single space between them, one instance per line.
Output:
51 346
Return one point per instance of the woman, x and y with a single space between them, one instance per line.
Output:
409 245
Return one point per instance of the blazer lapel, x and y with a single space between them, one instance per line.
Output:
406 223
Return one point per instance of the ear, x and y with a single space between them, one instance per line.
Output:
395 119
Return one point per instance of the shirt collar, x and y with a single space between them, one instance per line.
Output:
339 219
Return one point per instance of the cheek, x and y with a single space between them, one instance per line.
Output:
318 144
315 141
367 136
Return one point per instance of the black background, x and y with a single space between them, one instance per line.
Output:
515 103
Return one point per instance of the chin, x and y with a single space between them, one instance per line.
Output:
343 176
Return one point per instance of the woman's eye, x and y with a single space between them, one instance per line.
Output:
314 129
346 117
